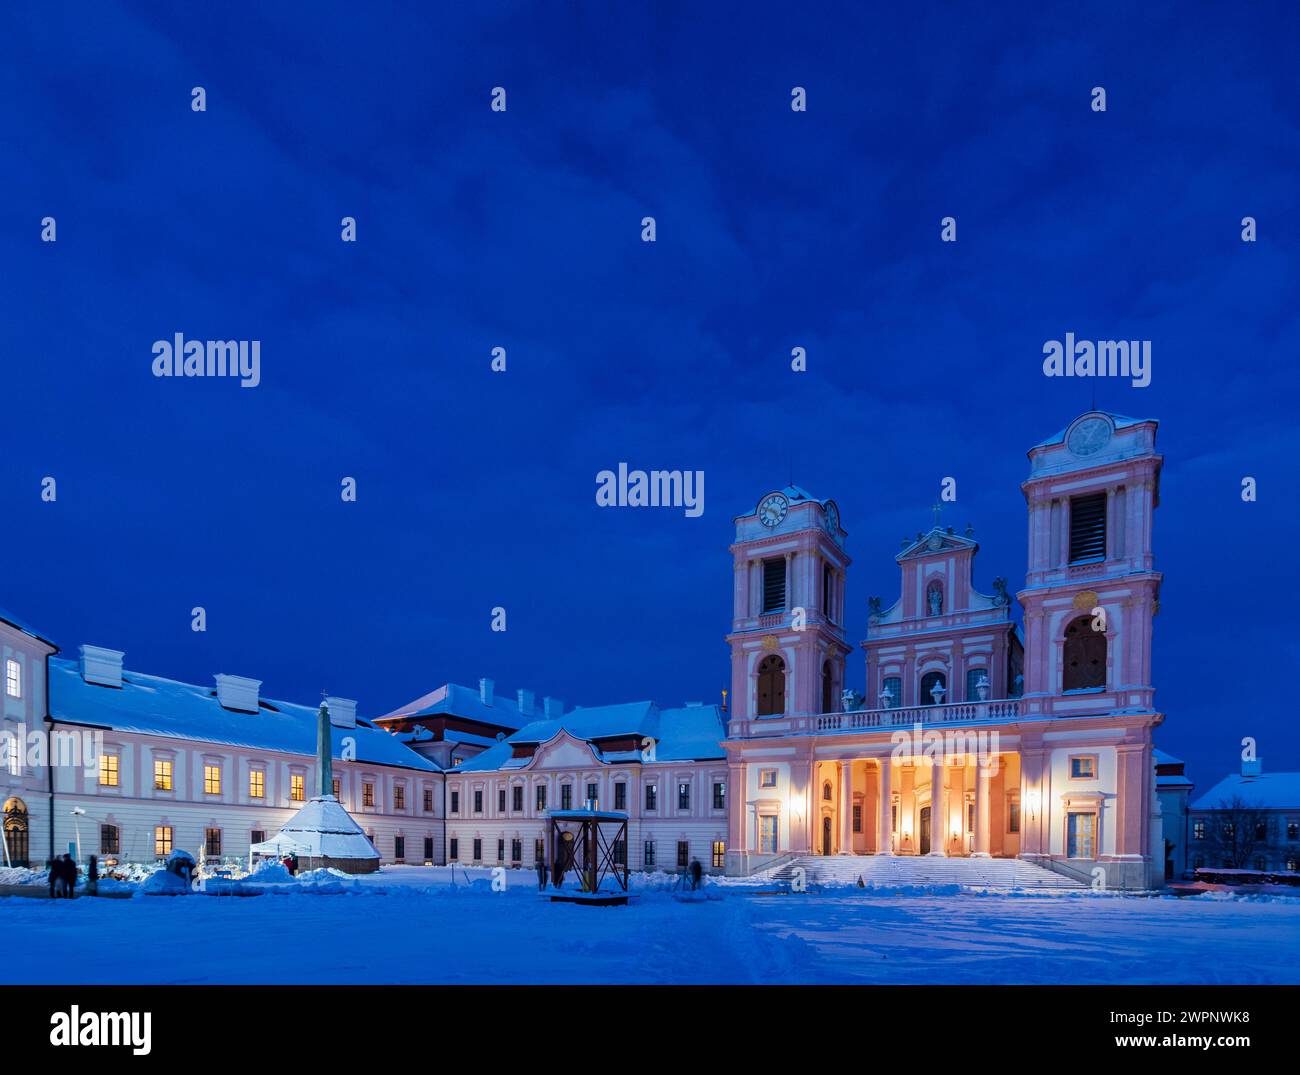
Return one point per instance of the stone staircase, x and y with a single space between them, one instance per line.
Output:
1007 875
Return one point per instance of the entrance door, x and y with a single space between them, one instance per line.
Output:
925 830
826 835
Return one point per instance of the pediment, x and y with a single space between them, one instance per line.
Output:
936 543
563 751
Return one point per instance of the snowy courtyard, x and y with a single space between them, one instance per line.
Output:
412 925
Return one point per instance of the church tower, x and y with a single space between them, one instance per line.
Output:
787 631
1091 588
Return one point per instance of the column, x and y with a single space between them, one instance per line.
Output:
983 778
885 840
938 818
846 808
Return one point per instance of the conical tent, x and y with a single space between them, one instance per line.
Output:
323 834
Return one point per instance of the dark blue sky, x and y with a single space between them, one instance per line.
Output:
522 229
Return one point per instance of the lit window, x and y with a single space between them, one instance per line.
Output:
1083 767
336 785
1198 830
256 783
108 764
719 854
212 780
297 787
162 840
857 817
767 834
162 774
767 778
13 678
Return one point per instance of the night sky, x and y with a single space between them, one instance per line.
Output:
522 229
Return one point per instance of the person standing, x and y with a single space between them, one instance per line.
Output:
92 877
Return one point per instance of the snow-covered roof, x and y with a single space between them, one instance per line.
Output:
1268 791
151 705
1120 421
321 829
454 700
691 733
26 628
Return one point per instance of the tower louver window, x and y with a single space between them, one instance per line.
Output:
773 585
1088 528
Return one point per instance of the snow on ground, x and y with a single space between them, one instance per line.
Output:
411 925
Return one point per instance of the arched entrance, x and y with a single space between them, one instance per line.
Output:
15 831
771 686
826 835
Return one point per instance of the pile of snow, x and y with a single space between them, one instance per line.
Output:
269 872
164 883
22 875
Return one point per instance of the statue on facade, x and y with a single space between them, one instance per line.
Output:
935 597
850 700
874 611
1000 595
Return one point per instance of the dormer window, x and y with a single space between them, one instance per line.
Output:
1088 528
773 585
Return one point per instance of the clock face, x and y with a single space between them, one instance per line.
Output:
832 519
772 510
1089 436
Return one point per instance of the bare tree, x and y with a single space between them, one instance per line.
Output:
1239 829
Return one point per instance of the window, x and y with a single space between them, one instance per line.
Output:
719 854
1087 528
212 842
620 796
108 766
1083 767
256 783
162 774
592 795
767 834
539 850
773 585
516 851
453 849
683 796
501 850
1261 830
974 678
478 850
566 796
428 803
1084 656
110 840
934 686
828 793
501 800
162 840
517 798
771 686
619 851
212 780
1198 830
455 802
541 797
399 797
893 685
719 795
1013 816
367 793
428 849
12 753
478 800
828 688
648 855
399 848
767 778
827 591
1292 829
13 678
683 853
652 796
1081 835
857 817
297 787
257 836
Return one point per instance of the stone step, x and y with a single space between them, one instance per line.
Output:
903 870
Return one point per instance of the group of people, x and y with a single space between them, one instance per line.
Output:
63 877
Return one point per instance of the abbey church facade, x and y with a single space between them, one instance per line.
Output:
974 738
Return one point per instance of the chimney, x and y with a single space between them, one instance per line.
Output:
102 666
552 708
343 711
485 690
525 703
237 693
1252 767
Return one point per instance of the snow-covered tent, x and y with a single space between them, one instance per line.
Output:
323 834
